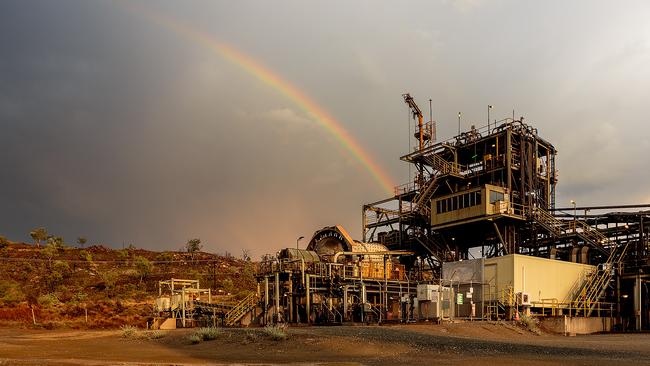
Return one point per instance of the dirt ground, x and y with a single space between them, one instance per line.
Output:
423 344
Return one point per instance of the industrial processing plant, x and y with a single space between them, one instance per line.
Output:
476 235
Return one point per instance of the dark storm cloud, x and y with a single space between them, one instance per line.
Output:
122 130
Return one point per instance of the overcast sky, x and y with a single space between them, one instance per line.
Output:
119 129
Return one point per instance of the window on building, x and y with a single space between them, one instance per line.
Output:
496 196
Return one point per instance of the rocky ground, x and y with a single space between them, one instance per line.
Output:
424 344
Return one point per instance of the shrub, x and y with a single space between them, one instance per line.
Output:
194 338
276 332
129 331
156 334
228 285
165 257
47 300
62 267
208 333
143 267
3 242
530 323
85 255
11 292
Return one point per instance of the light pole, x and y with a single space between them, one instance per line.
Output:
458 123
575 214
298 240
489 107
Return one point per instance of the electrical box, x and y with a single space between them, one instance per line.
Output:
523 298
427 292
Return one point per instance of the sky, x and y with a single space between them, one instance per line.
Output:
119 124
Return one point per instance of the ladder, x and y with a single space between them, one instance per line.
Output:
242 308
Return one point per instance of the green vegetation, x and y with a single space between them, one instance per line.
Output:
3 242
194 338
10 292
276 332
85 256
165 257
129 331
143 267
155 334
81 241
111 290
109 278
38 235
204 334
47 300
124 254
193 246
530 323
57 242
208 333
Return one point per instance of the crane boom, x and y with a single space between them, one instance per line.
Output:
415 110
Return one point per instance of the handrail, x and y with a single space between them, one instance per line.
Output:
243 307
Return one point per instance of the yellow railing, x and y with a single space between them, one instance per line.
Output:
243 307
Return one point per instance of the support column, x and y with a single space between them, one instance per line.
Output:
308 300
290 299
637 302
266 299
277 297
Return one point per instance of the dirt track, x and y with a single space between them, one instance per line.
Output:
476 343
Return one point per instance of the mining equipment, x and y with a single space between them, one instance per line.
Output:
475 235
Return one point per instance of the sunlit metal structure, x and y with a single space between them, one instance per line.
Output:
487 192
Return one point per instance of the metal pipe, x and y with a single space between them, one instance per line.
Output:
643 205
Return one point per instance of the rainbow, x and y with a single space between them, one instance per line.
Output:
334 127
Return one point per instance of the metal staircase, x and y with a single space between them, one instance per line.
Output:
597 282
432 246
576 227
423 198
242 308
441 165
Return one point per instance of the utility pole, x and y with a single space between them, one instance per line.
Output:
489 107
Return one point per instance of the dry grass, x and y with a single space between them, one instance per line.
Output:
276 332
530 323
194 338
129 331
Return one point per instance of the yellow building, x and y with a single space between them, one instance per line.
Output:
544 280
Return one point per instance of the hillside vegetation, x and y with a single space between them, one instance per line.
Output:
58 285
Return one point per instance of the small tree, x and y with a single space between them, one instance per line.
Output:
81 241
3 242
193 246
50 251
143 266
38 235
245 255
56 241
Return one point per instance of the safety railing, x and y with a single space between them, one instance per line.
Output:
241 309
